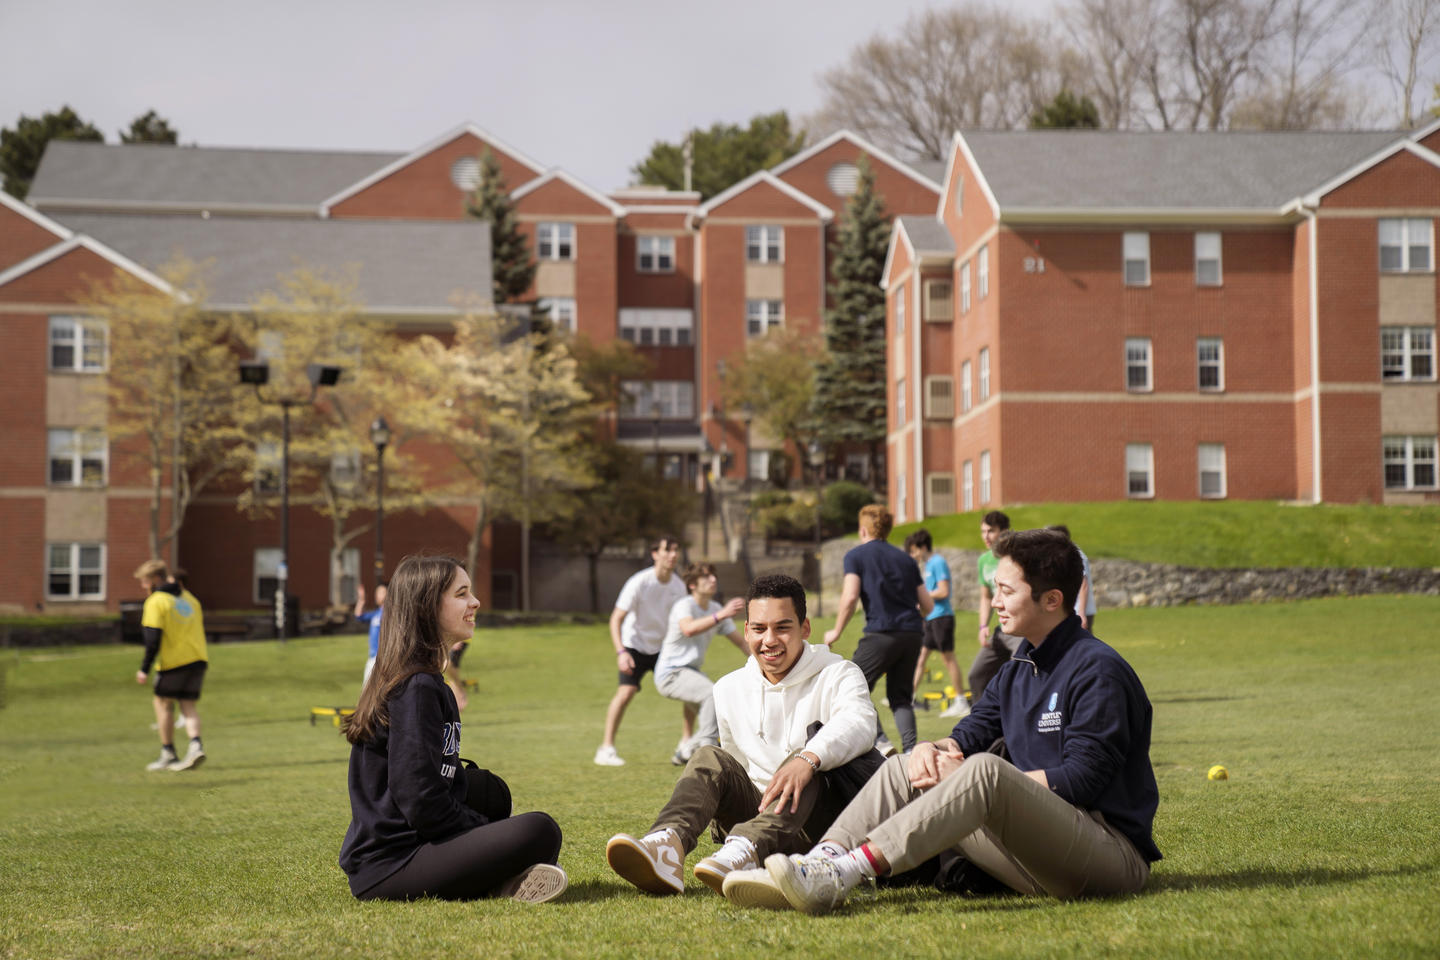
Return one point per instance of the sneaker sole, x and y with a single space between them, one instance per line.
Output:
189 763
752 891
712 876
611 761
539 884
782 875
632 864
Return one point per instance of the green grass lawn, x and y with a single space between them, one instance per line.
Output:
1322 844
1222 533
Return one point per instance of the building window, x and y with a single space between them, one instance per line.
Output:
900 496
900 402
555 241
266 574
900 312
1407 353
762 316
345 469
1139 470
77 344
939 398
1211 457
857 467
965 287
982 268
668 399
939 301
349 574
1137 364
843 179
984 374
75 571
1405 246
1409 463
77 458
1207 259
655 254
1137 259
560 311
967 486
764 244
656 327
939 494
267 468
985 477
966 399
1210 363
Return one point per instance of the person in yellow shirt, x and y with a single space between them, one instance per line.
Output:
174 627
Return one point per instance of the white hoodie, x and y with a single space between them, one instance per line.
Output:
763 723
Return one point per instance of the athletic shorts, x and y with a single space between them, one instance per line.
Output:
939 634
644 663
182 683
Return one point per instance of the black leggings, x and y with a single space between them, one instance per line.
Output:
475 863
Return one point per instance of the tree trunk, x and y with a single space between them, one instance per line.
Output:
592 561
472 549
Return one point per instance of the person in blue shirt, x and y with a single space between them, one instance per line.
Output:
372 618
940 624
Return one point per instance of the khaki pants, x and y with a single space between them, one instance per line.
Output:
998 818
689 685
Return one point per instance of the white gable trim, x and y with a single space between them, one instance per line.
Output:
964 148
898 235
865 147
34 216
765 176
555 173
1312 198
428 148
94 246
1425 131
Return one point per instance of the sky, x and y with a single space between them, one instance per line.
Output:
588 85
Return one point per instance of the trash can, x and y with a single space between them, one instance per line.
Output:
130 612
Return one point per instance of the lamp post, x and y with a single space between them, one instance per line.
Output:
257 374
706 453
747 413
380 436
655 439
817 462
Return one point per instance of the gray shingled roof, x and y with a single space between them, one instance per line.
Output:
933 169
1075 169
928 235
72 172
401 265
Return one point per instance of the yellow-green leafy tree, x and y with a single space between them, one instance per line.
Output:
776 379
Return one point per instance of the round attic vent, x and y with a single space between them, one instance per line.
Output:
465 173
843 178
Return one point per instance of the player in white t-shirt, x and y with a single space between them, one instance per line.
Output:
637 629
694 621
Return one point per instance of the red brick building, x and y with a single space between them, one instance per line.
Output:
1095 316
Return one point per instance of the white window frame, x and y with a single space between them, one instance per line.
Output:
967 486
1210 459
658 250
1202 363
939 397
87 340
1208 250
656 326
900 311
1399 360
1413 233
77 447
561 313
72 568
762 316
984 477
264 565
984 374
1135 249
982 270
938 308
1140 464
559 237
1138 356
900 406
1410 453
349 575
765 243
345 470
674 399
965 288
939 494
967 398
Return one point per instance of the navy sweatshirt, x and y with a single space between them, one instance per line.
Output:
406 787
1076 710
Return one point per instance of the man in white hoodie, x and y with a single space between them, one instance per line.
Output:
796 743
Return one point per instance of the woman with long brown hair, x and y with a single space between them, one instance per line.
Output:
417 828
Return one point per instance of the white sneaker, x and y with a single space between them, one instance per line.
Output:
166 761
754 888
959 708
811 884
652 865
607 757
713 870
192 759
883 744
536 884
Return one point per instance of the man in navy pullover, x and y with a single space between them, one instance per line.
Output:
1069 814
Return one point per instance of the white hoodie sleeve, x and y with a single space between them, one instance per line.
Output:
848 716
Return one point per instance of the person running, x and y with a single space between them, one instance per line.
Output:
371 618
416 830
995 647
940 624
882 578
637 630
173 623
694 621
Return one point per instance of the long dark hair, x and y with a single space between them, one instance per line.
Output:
410 640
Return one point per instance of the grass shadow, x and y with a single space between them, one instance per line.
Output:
597 891
273 764
1259 878
1185 699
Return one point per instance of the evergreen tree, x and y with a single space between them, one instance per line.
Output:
850 387
21 148
1066 111
510 259
150 127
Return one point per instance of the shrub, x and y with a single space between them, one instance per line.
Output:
840 506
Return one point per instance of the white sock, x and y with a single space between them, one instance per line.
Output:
668 835
828 849
854 867
739 849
